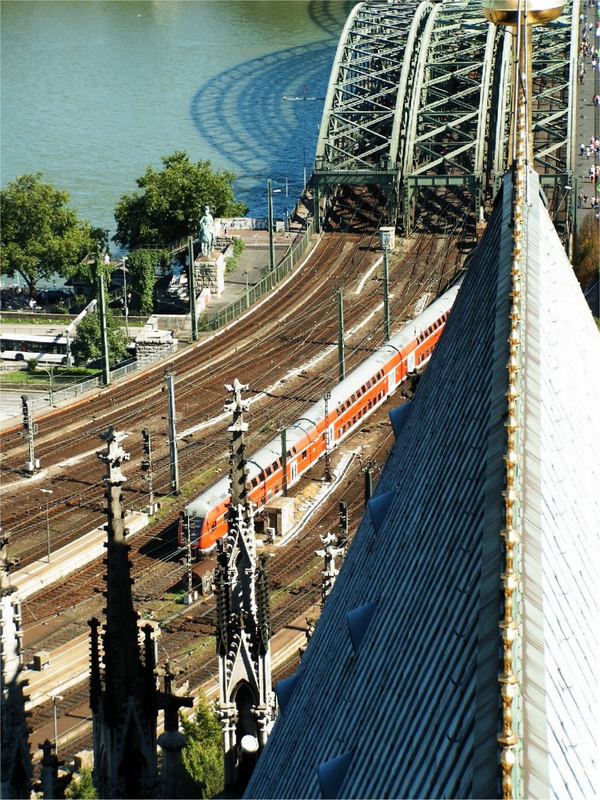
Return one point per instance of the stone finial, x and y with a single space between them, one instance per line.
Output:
114 456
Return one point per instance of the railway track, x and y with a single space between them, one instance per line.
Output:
199 397
294 570
290 332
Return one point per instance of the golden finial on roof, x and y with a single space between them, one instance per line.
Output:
506 12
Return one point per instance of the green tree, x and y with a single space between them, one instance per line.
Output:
82 788
142 266
86 345
40 235
203 754
172 202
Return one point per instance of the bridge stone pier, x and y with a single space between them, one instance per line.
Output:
419 99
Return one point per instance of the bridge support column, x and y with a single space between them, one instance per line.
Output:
317 206
406 221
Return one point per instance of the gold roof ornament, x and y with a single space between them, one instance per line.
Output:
506 12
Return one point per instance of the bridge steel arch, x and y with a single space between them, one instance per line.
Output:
419 97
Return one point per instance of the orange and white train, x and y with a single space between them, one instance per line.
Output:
325 424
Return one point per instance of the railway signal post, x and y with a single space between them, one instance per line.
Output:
192 594
147 468
47 493
343 526
284 486
29 430
328 475
368 483
386 239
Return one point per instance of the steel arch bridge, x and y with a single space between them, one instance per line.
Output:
419 96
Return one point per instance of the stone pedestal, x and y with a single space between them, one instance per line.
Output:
154 342
210 272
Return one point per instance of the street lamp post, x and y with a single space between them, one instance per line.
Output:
125 303
270 223
47 492
55 699
287 216
50 373
103 328
69 356
304 168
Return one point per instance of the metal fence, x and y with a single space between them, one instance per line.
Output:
270 280
74 390
223 317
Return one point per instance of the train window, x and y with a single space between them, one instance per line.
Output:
213 526
254 482
268 471
275 465
304 454
294 450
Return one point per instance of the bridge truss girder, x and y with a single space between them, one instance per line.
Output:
419 96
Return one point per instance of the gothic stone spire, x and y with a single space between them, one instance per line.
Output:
246 702
123 694
15 775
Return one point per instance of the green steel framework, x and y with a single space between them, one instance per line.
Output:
419 97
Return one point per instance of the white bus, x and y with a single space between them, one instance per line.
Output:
45 349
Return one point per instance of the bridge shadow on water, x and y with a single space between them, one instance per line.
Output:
242 114
330 15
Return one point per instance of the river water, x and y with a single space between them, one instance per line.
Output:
93 92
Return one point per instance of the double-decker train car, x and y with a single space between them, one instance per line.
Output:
324 426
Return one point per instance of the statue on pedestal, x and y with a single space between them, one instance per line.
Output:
207 232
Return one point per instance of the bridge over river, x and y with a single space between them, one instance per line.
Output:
419 102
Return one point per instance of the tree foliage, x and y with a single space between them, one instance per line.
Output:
142 266
203 754
172 201
40 235
82 789
87 343
587 250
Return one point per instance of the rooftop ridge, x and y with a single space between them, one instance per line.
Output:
509 679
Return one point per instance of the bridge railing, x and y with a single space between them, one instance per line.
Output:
269 281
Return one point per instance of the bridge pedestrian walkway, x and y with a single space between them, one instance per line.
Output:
588 116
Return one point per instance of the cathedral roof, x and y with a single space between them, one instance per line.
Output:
398 692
